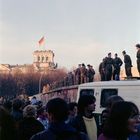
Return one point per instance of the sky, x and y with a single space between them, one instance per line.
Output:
77 31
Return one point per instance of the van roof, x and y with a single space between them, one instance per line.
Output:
112 83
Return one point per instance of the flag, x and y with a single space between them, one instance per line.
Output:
41 41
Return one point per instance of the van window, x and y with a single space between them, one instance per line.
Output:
87 92
105 94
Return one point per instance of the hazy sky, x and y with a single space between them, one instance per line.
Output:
78 31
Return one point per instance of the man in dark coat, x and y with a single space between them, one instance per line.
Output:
117 66
102 70
108 65
128 64
138 57
90 73
78 75
29 125
17 112
58 129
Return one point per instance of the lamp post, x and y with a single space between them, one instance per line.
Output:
40 79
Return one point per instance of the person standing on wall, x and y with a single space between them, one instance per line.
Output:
78 75
128 64
138 57
102 70
90 73
83 73
117 67
108 65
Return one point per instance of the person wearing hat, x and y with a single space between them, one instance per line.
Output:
102 70
90 73
117 67
108 66
138 57
128 64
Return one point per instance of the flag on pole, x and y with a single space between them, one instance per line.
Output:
41 41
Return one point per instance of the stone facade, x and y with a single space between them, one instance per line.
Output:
43 60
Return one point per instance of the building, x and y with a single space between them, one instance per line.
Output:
42 60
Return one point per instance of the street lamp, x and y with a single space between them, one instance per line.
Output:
40 79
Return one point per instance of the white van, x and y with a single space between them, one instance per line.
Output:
129 90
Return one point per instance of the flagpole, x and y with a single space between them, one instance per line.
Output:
44 44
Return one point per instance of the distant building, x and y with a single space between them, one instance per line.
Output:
43 60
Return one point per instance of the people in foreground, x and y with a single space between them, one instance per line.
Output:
123 121
7 125
58 129
29 125
85 120
109 103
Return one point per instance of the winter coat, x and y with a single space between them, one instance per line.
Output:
28 127
60 131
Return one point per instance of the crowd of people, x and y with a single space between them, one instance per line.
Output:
81 74
59 120
109 69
